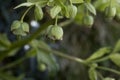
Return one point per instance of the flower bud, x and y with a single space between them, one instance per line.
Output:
42 67
110 12
25 27
88 20
55 33
72 11
15 25
20 28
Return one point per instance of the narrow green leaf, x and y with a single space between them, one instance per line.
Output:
108 78
91 8
117 47
92 73
54 11
27 4
41 3
115 58
51 0
12 52
32 1
101 52
4 42
77 1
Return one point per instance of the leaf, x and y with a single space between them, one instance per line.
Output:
39 43
92 73
12 52
42 44
101 4
77 1
48 59
54 11
38 12
31 53
91 8
41 3
44 55
115 58
117 47
27 4
33 1
4 42
108 78
101 52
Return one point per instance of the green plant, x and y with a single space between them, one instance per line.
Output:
59 9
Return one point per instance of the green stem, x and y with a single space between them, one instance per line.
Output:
22 18
63 55
109 69
100 76
102 59
110 3
4 44
85 9
56 20
13 64
70 2
68 57
65 23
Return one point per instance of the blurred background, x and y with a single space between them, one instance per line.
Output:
78 41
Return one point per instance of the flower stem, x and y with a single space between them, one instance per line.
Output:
68 57
56 20
109 69
101 59
79 60
65 23
70 2
22 18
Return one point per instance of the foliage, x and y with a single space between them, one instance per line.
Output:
78 11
